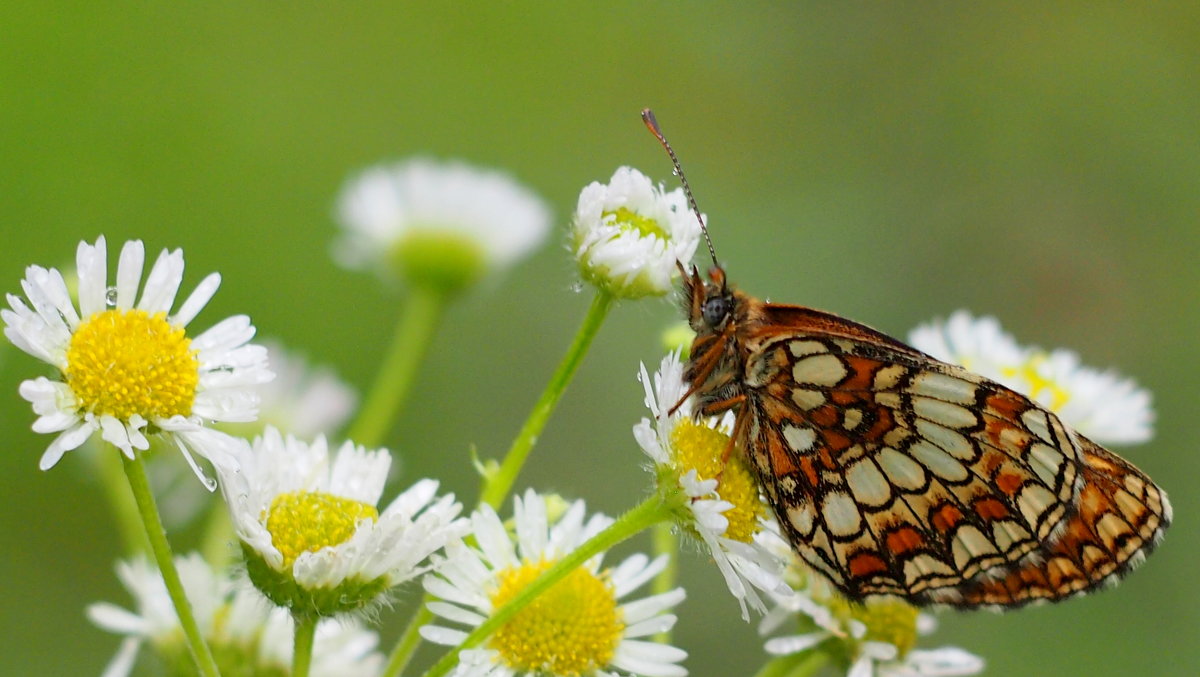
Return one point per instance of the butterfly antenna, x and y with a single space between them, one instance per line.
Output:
652 125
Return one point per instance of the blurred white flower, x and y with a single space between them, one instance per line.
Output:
875 638
303 400
1103 405
247 635
441 222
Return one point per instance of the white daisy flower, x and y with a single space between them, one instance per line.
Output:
629 235
1102 405
303 400
579 627
728 515
448 222
245 633
874 639
128 367
310 530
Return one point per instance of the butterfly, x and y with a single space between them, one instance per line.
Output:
892 473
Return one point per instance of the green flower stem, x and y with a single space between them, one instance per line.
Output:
306 629
414 332
805 664
646 514
409 639
666 542
218 534
135 471
497 485
120 501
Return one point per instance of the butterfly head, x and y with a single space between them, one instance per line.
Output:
709 304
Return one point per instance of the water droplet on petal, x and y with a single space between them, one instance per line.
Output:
110 297
577 287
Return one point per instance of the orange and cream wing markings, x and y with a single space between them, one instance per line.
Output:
1120 518
897 474
892 473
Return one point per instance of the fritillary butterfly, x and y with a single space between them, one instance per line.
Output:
892 473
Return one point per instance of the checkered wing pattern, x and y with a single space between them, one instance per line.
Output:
896 474
892 473
1120 517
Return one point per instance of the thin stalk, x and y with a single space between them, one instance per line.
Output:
413 335
406 646
666 542
306 630
497 486
646 514
804 664
135 471
120 502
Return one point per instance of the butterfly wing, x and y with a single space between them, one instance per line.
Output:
1120 518
892 473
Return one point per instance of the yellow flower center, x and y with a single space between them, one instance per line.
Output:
890 621
126 362
306 521
628 220
701 448
1042 389
572 629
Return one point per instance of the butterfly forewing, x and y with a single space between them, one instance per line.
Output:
892 473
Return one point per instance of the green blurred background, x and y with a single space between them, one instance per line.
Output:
891 164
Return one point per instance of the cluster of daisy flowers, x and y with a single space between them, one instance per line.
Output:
319 552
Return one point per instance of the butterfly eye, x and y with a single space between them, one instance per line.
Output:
715 309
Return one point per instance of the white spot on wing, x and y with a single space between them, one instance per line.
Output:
821 370
802 517
939 462
943 387
969 543
802 348
1035 420
954 443
901 470
841 514
807 399
945 413
1033 501
799 438
1046 462
868 485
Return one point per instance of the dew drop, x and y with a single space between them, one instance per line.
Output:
577 287
110 297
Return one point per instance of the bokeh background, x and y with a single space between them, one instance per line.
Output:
892 164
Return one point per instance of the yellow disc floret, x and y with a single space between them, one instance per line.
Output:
891 621
1042 389
126 362
630 221
306 521
572 629
702 448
